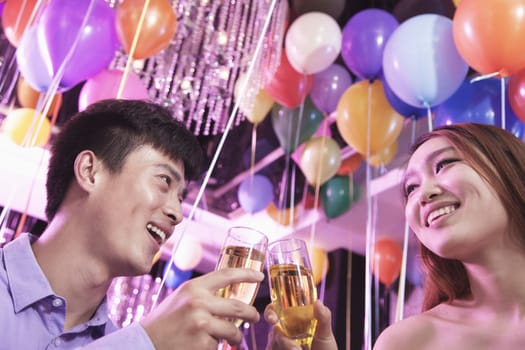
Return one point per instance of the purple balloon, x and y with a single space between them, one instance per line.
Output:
364 39
328 86
255 194
95 47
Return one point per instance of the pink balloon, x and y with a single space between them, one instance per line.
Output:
105 85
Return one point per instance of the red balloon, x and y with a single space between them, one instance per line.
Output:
489 35
15 18
288 87
517 94
386 261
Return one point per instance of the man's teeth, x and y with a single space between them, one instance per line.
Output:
439 212
154 229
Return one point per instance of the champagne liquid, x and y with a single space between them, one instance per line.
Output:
245 257
293 293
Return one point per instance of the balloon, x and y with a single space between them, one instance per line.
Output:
456 2
93 50
489 35
15 18
26 127
328 87
320 263
28 97
174 277
255 105
333 8
158 28
479 102
281 216
105 85
336 197
353 117
516 94
385 156
322 130
188 254
287 86
364 38
292 128
386 260
309 200
350 165
31 63
420 62
401 106
313 42
255 193
320 160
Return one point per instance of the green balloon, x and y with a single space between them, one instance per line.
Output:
285 122
335 196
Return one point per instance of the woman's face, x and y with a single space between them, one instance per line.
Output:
453 211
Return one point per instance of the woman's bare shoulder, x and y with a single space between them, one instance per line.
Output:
414 332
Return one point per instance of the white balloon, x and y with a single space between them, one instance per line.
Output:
313 42
188 254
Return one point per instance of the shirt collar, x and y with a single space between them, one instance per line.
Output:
26 278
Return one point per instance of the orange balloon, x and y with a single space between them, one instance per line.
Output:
352 117
26 127
281 216
386 261
28 97
320 263
15 17
385 156
489 35
158 28
350 165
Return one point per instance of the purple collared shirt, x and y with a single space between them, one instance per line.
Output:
32 316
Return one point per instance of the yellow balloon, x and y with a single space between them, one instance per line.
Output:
456 2
320 263
27 127
354 110
385 156
254 103
281 216
320 159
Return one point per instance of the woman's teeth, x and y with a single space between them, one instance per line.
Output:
439 212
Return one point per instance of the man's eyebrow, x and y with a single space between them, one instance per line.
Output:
176 174
427 159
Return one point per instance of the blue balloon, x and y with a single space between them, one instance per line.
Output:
478 102
401 106
254 194
30 60
174 277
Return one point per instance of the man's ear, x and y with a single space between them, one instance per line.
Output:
86 167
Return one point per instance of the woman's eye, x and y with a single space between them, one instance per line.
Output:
409 189
444 162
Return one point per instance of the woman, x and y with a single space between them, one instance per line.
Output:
464 191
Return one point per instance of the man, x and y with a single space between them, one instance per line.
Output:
114 186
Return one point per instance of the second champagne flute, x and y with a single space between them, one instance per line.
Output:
293 291
243 247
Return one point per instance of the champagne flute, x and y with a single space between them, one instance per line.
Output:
243 247
293 291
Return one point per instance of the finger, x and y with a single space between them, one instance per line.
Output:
216 280
221 328
232 309
278 341
270 315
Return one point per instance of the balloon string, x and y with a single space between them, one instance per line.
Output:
429 116
348 300
484 76
252 158
503 117
132 49
402 277
218 151
368 285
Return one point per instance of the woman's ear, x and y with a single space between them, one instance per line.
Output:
85 168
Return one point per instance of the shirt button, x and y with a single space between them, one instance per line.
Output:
57 302
57 341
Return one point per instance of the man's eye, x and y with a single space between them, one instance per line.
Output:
166 179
